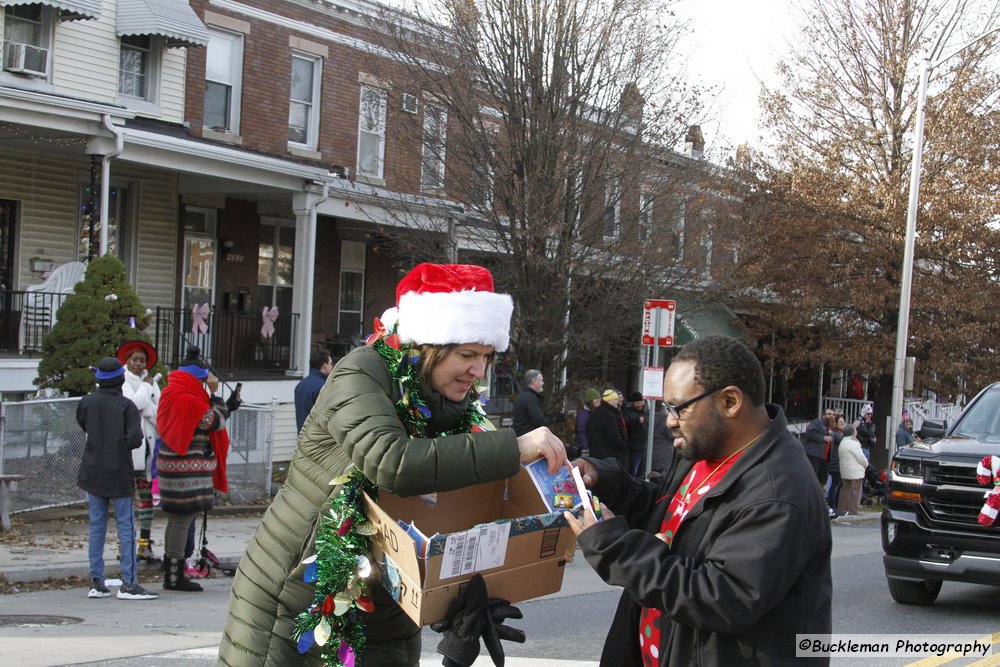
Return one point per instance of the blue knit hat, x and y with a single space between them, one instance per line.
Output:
108 369
193 364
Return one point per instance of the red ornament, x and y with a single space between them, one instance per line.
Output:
366 604
328 605
392 341
345 526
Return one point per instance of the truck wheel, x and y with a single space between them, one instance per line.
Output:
913 592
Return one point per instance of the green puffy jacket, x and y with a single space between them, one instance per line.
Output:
354 420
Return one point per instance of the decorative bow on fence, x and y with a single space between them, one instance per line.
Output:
198 316
268 316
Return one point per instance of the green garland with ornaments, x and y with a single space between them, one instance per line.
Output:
341 566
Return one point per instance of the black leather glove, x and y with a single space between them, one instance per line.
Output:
499 610
233 403
462 626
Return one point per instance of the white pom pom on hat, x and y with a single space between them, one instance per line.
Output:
441 304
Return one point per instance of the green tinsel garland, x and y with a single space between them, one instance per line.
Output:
339 566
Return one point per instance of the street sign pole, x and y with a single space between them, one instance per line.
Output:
657 331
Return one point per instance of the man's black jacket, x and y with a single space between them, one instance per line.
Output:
528 413
748 569
113 428
606 434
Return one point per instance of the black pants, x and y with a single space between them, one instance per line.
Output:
819 467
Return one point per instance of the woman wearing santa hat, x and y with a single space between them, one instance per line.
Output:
401 413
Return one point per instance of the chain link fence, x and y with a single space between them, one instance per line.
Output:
41 440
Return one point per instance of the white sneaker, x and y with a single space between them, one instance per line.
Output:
98 589
135 592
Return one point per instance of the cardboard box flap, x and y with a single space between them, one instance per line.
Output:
392 539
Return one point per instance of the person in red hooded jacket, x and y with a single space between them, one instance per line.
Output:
192 459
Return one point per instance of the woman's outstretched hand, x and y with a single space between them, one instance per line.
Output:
541 442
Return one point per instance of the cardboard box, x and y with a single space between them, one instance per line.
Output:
501 529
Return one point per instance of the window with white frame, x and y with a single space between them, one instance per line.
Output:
138 64
675 235
303 110
27 40
223 81
705 243
611 221
435 137
371 132
352 290
481 192
645 217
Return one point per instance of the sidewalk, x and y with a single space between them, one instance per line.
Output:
53 543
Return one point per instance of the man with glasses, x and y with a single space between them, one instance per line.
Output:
727 558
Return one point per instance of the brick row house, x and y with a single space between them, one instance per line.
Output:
242 155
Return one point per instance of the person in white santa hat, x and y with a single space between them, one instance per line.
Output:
404 411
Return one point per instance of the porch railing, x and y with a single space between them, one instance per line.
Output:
231 341
26 318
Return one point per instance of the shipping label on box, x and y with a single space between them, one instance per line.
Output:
501 529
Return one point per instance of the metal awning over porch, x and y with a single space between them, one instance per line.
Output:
174 20
69 10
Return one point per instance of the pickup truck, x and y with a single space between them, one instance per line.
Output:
930 527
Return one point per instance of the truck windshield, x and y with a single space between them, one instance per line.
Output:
982 419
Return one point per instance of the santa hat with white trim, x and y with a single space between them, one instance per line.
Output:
439 304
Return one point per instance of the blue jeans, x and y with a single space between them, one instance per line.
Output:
98 506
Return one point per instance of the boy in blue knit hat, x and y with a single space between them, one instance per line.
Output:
113 429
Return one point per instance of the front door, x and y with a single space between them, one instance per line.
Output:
198 290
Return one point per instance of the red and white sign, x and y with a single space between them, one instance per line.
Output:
658 322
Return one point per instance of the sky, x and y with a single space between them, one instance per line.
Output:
735 45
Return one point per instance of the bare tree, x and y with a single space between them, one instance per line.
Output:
561 117
826 216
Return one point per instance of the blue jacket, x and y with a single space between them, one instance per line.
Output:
306 392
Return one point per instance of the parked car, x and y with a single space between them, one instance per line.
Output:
930 528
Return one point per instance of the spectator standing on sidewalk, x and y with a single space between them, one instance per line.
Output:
853 465
140 387
528 413
606 430
866 430
833 492
306 391
113 429
663 442
192 459
635 428
591 399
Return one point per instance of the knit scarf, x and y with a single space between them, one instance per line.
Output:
182 405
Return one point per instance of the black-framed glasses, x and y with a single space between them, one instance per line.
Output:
676 410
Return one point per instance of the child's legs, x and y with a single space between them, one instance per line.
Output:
97 506
126 537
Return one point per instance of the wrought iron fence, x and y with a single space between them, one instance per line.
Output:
25 319
41 440
230 341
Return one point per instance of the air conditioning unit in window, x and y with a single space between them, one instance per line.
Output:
25 59
409 103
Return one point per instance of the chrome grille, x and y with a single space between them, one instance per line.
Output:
963 475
